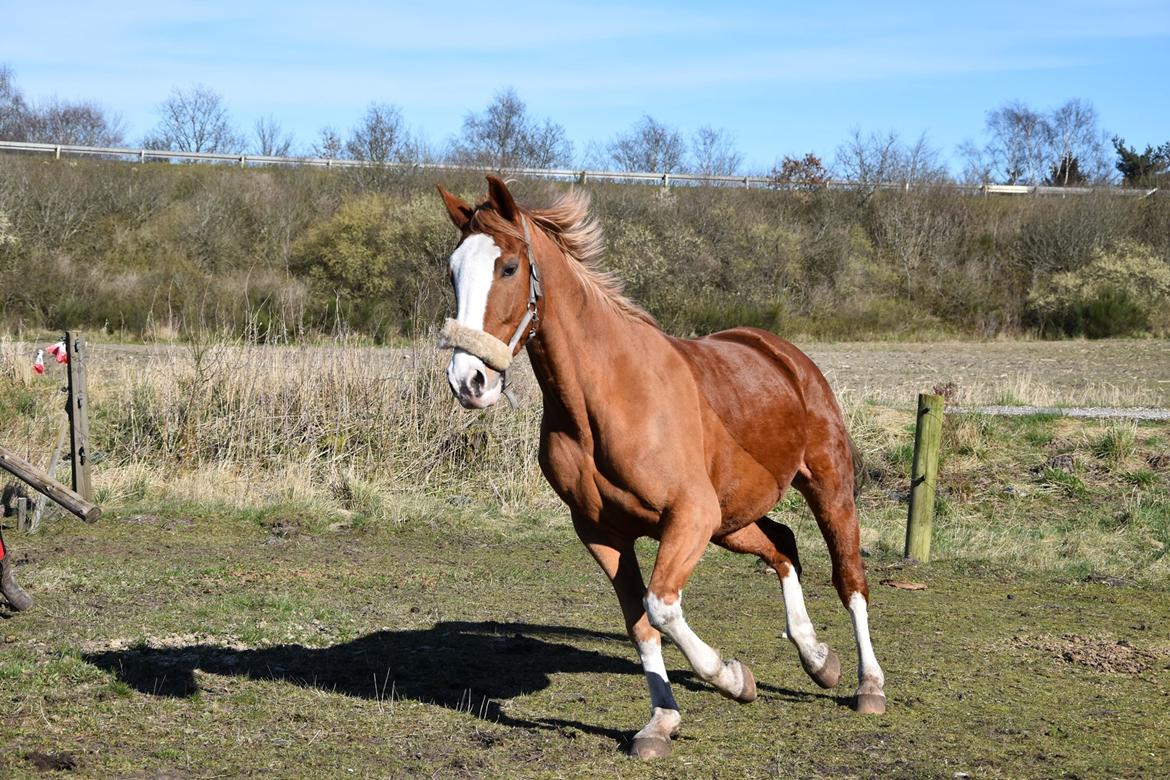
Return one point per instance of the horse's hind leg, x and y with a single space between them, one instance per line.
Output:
828 488
775 544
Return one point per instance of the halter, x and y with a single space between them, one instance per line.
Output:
494 353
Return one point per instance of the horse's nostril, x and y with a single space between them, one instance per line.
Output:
477 382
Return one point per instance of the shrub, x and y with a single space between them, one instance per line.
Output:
1119 292
377 263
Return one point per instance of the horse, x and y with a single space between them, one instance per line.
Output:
687 441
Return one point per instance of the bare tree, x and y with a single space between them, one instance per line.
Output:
868 160
714 152
977 168
271 139
649 146
62 122
83 123
1062 147
328 145
1018 145
875 160
194 120
380 137
1076 145
505 137
13 109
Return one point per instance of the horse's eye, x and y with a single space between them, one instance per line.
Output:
509 269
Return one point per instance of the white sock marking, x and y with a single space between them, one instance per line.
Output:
800 629
668 618
867 668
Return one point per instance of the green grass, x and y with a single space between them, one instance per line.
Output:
400 650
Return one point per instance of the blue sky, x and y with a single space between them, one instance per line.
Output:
782 77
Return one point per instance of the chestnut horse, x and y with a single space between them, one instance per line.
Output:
685 441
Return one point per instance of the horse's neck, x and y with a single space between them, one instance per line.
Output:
580 340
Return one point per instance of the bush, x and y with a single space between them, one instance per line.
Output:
1120 292
377 263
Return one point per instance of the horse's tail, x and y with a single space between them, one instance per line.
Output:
858 466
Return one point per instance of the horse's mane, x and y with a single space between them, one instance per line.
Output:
572 228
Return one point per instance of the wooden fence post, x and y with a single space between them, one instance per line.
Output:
923 476
22 513
78 409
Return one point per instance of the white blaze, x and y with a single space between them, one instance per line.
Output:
473 266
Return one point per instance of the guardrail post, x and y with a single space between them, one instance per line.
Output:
57 152
923 476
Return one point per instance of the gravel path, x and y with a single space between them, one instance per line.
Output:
1094 412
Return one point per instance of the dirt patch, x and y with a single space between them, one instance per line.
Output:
1101 654
51 762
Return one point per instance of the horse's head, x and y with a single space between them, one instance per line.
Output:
491 271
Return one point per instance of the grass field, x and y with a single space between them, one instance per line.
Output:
345 576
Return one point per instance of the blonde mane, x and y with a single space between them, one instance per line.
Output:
574 230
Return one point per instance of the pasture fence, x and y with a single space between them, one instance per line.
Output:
581 176
78 498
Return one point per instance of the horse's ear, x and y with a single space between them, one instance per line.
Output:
459 211
501 199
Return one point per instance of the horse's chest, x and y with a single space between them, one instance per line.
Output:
591 491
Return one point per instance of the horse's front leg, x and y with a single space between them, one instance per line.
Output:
685 535
620 564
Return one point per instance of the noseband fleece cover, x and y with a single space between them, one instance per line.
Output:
494 353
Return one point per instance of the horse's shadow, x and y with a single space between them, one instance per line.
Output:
463 666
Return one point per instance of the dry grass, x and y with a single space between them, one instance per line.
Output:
352 435
252 425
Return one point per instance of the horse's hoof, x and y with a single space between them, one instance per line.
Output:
830 672
747 693
647 748
869 703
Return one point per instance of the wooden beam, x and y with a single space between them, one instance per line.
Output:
43 483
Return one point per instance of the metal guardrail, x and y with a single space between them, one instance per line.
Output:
562 174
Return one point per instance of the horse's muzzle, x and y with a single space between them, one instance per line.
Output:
474 384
